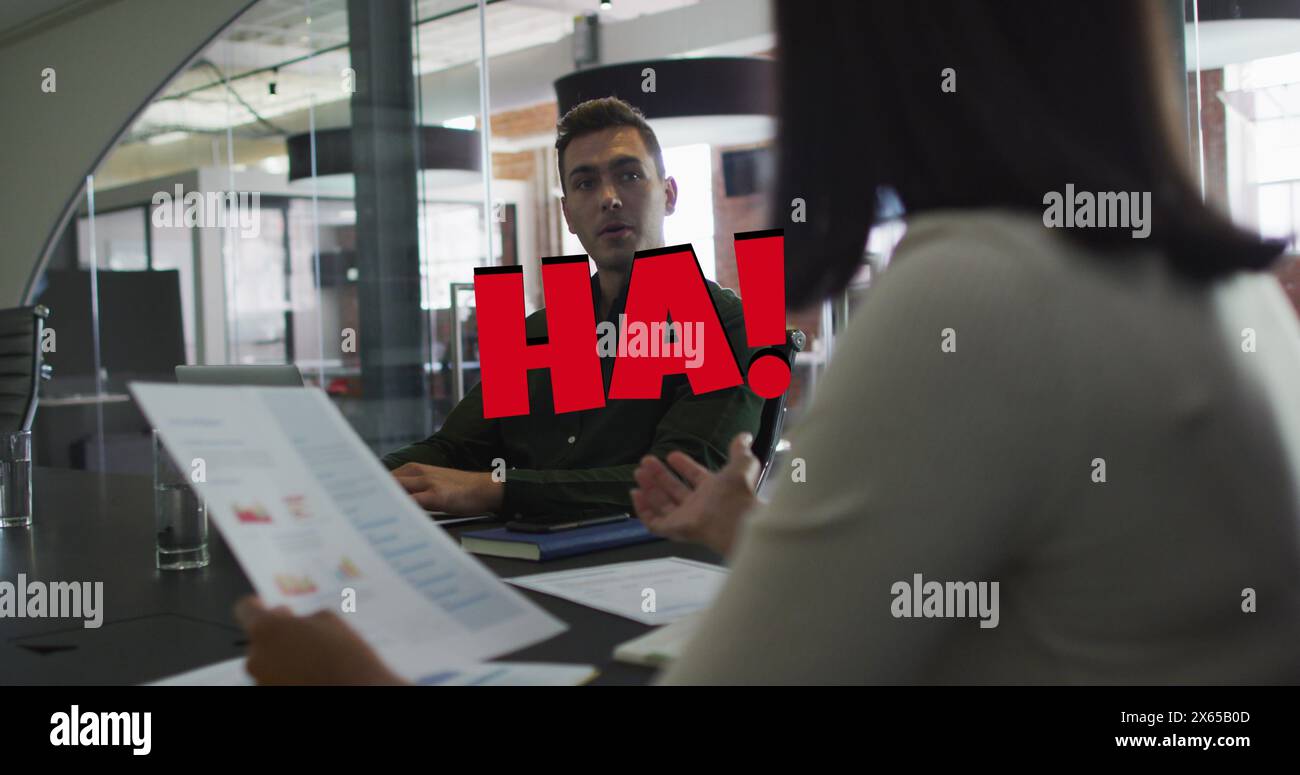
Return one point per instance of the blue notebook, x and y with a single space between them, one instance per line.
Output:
549 546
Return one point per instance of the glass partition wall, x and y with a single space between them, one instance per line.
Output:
278 203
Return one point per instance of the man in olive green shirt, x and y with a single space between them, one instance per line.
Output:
616 198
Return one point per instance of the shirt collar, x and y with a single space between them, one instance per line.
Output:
620 301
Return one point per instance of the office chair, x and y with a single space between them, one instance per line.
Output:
20 365
773 417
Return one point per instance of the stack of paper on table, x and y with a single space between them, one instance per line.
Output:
670 592
660 646
232 673
648 591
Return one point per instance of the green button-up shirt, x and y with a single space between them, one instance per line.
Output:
582 462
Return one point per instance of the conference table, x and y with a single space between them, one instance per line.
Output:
89 526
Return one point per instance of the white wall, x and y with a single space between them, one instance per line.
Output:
109 61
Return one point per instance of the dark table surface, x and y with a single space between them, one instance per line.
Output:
96 527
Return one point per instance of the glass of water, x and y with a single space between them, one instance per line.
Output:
181 517
15 478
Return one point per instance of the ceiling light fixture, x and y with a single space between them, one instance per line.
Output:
714 100
440 147
1235 31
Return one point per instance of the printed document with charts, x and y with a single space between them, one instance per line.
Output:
317 522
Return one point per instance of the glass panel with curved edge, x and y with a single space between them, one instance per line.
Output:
232 187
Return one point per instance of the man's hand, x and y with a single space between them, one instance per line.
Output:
316 650
707 507
447 489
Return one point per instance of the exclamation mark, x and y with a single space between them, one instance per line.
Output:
760 262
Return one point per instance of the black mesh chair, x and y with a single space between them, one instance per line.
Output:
769 427
20 365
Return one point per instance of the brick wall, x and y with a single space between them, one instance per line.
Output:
532 120
1214 129
512 166
731 215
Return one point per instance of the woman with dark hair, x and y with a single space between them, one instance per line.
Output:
1069 412
1055 444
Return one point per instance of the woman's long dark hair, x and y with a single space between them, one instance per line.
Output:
1046 94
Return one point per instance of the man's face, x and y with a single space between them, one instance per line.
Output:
616 202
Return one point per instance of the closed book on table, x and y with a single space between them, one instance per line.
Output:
514 544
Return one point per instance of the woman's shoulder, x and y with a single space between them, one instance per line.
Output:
990 265
1013 242
990 262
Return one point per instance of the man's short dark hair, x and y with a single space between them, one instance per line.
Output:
599 114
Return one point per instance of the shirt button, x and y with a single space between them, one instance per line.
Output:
572 439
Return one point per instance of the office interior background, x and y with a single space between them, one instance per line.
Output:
376 204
